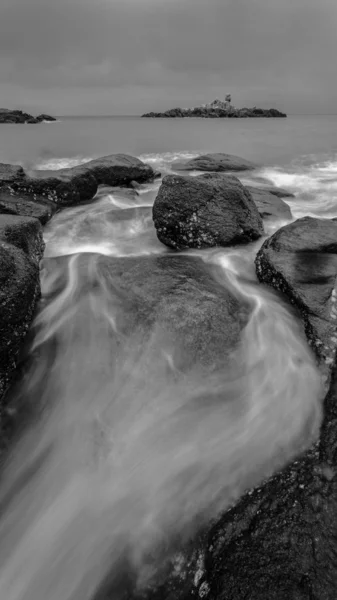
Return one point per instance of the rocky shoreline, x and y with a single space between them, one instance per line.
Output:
279 541
18 116
28 201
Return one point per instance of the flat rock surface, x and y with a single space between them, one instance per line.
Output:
270 205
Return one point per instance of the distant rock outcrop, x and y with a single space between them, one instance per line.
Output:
218 109
205 211
17 116
217 162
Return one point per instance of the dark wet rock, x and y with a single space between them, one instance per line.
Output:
10 173
24 233
300 260
177 294
270 205
276 191
66 187
21 247
205 211
217 162
18 116
24 206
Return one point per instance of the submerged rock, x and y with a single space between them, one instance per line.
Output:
276 191
171 306
200 315
270 205
217 162
205 211
21 247
66 187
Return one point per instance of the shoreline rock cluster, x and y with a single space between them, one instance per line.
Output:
28 201
279 541
18 116
214 208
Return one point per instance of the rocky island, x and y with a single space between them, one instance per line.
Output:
18 116
218 109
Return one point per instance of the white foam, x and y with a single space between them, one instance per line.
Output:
61 163
314 184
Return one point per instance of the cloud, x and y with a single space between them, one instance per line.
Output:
258 49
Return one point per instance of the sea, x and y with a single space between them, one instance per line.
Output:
128 455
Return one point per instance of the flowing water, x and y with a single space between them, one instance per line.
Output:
129 452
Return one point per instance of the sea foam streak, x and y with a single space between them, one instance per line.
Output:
130 453
313 183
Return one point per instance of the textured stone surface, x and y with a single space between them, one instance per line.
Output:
21 247
300 260
205 211
65 187
26 206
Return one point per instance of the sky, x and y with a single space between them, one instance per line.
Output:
104 57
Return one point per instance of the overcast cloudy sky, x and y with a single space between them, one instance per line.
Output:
129 56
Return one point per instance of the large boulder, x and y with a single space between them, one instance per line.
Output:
65 187
270 205
21 247
205 211
217 162
300 260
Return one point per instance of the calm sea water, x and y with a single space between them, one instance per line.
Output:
299 152
267 141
